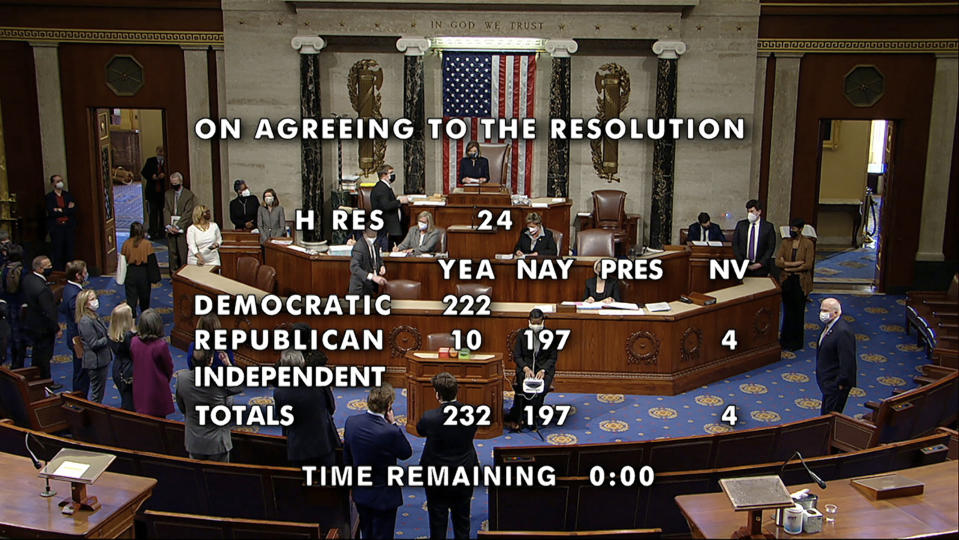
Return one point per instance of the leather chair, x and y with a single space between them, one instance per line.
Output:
364 200
246 268
558 238
498 156
266 278
403 289
609 212
436 341
474 289
442 247
595 243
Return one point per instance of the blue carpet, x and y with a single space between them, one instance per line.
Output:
780 392
851 265
127 204
160 248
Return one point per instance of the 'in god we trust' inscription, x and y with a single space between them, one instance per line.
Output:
488 25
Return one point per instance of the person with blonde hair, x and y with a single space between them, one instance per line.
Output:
96 342
121 332
535 240
422 238
203 238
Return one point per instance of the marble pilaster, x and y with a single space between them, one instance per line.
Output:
46 60
664 149
309 48
414 109
200 173
557 150
782 140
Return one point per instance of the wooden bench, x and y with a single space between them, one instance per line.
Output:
211 488
153 524
935 317
573 503
101 424
23 399
914 412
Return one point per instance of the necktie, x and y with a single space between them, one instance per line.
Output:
752 242
176 201
535 343
373 257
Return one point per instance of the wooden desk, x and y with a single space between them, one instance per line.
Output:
555 216
238 244
24 513
480 383
699 257
660 354
934 512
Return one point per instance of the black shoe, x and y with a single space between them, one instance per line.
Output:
55 386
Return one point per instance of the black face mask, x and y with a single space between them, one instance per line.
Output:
392 178
794 234
176 187
47 271
207 216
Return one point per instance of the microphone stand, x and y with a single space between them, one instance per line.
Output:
47 491
815 477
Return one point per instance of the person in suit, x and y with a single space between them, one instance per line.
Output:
755 240
447 446
208 441
211 323
373 439
835 357
41 315
603 290
96 343
535 239
312 438
61 222
383 198
152 367
154 174
121 332
704 231
178 204
422 238
270 218
76 275
533 359
244 207
366 266
795 259
474 168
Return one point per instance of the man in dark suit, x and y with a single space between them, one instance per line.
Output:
154 174
374 439
366 266
76 275
447 446
178 203
61 222
835 357
755 240
536 360
383 198
41 315
712 231
207 441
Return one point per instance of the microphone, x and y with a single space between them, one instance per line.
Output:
812 475
47 492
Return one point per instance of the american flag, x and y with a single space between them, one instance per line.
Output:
488 85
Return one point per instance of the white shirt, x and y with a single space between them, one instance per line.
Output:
754 239
198 241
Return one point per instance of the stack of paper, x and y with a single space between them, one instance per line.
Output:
658 306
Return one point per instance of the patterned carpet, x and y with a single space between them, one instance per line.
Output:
780 392
127 204
850 265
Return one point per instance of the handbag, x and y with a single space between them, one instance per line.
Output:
153 269
121 269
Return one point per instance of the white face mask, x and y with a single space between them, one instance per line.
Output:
422 225
370 240
245 193
59 185
268 200
536 327
753 218
533 230
825 316
95 304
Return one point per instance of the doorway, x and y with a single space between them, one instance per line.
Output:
854 168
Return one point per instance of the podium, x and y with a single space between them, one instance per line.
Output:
480 380
468 242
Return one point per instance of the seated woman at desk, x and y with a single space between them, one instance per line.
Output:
602 290
421 238
536 240
474 168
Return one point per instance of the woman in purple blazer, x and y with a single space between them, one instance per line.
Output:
152 367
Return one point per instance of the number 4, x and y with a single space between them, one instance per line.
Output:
729 340
729 415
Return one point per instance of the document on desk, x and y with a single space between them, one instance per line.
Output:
699 243
622 305
429 203
715 243
658 306
71 469
546 308
622 312
503 256
398 254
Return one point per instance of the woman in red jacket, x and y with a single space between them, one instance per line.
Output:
152 367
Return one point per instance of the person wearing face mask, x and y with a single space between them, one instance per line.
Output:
154 174
270 218
41 315
602 290
474 168
536 359
96 342
795 258
383 198
61 222
203 239
835 357
178 204
422 237
366 266
755 240
535 240
76 275
137 250
244 207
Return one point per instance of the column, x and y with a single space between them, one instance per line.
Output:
199 176
46 62
664 150
942 125
309 48
782 138
759 105
414 149
557 151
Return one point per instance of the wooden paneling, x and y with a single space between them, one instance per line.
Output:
83 86
114 14
858 19
907 101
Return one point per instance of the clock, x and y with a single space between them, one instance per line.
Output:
124 75
864 85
